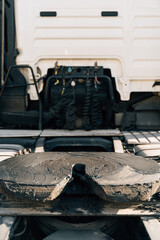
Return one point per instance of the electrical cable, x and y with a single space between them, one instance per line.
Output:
35 84
63 106
15 226
27 84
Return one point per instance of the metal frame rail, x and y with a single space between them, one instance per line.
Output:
10 208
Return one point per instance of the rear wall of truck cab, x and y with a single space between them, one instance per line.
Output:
77 33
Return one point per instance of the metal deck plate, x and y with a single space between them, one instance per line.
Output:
80 133
142 137
58 133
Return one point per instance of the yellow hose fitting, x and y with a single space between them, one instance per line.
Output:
56 83
63 91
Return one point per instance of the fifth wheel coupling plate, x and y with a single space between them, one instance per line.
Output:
114 177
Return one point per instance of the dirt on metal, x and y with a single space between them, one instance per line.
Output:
112 176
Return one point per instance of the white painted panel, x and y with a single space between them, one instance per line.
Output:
79 35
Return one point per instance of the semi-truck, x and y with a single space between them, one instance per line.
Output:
80 119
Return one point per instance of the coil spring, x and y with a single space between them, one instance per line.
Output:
96 111
57 108
85 124
58 114
64 109
69 108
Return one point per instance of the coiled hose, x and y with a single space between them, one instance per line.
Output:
57 110
69 108
96 111
64 109
85 122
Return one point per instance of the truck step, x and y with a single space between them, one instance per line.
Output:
142 137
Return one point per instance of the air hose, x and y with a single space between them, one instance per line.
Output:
96 111
69 107
85 122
